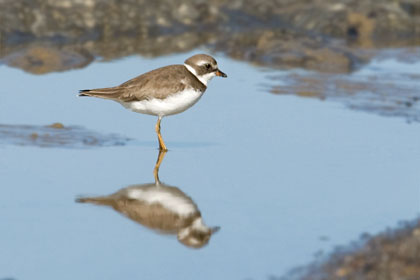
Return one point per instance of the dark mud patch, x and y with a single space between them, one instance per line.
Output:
57 135
393 254
387 87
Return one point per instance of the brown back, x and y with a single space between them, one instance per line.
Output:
154 216
158 83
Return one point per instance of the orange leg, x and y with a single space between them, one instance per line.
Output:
162 145
158 162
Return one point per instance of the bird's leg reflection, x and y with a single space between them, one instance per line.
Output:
159 160
158 206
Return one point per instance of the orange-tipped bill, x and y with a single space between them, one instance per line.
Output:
220 74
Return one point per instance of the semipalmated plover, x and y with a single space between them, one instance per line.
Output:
163 208
165 91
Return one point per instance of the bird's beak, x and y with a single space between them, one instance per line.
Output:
220 74
214 229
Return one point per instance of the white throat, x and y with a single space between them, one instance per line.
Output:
197 224
202 78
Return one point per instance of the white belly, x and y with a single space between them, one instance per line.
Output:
171 105
174 203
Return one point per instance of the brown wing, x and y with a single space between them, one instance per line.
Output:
154 216
154 84
107 93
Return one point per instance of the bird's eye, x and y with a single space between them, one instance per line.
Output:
208 66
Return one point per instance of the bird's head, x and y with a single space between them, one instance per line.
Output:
204 67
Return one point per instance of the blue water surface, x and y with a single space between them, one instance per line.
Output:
278 174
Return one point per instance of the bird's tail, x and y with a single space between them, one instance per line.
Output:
94 200
84 92
107 93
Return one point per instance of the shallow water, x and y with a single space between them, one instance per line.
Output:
283 176
388 85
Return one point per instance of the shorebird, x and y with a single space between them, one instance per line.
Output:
163 208
164 91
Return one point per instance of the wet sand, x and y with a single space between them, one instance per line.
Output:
393 254
57 135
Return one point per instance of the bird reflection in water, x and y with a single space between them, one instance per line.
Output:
165 209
